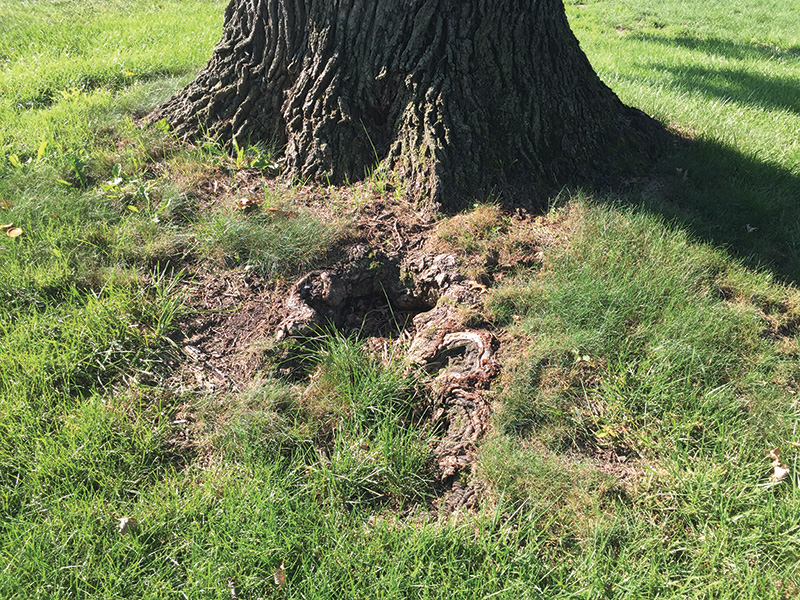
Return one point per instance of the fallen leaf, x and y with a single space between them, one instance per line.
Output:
41 151
125 524
247 202
781 471
280 576
14 232
479 287
284 213
6 227
6 204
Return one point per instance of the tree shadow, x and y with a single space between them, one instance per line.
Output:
728 83
747 205
737 84
720 47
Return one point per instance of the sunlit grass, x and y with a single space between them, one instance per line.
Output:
729 78
647 364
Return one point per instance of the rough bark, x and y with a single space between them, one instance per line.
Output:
459 97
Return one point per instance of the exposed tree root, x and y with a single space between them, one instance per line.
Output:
461 359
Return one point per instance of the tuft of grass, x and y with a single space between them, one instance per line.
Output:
270 241
369 426
489 242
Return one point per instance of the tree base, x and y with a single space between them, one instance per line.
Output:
460 100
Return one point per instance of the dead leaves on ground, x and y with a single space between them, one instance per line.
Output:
10 230
779 470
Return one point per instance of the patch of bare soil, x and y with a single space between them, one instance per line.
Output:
232 314
619 464
381 283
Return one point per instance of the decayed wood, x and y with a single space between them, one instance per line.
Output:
462 361
458 97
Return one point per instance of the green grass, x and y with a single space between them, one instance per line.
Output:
655 326
271 243
727 75
643 345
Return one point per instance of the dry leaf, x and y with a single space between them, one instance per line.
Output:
280 576
247 202
6 204
125 524
283 213
14 232
6 227
781 471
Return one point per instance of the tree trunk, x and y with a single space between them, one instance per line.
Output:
460 97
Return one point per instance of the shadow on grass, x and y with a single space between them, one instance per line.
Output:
749 206
736 84
723 48
730 83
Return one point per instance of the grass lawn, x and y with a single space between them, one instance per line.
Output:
644 439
